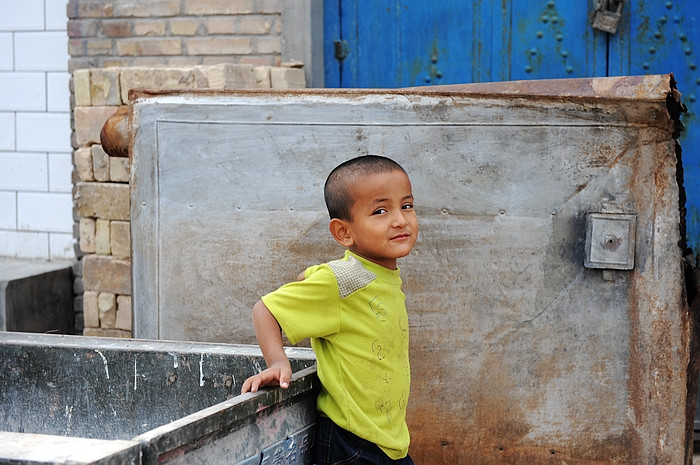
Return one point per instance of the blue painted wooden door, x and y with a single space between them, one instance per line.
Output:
400 43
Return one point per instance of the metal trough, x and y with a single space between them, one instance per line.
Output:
79 400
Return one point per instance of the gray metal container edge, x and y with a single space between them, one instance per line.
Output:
184 435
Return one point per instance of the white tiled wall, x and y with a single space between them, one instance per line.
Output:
36 219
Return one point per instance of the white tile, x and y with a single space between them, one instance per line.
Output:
60 170
7 131
61 246
6 55
45 212
22 92
41 51
22 15
23 171
56 17
57 92
43 132
8 210
24 244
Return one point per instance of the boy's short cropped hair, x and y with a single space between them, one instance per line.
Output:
336 191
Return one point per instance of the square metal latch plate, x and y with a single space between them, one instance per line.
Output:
610 241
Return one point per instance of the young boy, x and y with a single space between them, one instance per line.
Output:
353 311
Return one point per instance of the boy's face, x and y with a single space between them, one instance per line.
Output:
384 225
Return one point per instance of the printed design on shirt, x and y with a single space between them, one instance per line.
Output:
351 275
378 350
378 308
386 407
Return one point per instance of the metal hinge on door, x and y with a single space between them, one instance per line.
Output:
342 50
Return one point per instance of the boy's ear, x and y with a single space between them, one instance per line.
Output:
340 230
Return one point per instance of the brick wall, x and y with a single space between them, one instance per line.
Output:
101 194
174 32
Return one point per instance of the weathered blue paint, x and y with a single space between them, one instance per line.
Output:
402 43
552 40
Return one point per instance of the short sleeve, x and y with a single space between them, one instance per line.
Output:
308 308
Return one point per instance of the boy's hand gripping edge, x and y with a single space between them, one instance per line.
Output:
269 335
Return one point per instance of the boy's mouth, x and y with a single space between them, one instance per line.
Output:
400 237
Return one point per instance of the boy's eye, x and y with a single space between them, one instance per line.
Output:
407 206
379 211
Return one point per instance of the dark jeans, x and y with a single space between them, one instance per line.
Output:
336 446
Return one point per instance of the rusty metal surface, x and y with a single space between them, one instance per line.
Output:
520 354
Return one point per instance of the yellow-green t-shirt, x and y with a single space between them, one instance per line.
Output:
355 314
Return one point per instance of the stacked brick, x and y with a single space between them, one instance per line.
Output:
101 192
177 33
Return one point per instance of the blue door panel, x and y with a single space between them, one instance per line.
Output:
554 40
332 32
374 69
438 51
402 43
398 43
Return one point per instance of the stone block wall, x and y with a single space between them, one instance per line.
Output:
177 33
101 181
118 45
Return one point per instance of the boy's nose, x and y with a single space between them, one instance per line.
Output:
400 219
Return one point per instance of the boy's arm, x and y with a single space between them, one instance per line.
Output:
269 335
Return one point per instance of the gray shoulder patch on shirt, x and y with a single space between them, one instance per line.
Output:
351 275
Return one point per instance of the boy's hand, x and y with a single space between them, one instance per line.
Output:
279 375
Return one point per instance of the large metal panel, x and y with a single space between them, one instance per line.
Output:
520 353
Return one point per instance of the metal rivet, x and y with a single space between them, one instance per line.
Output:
691 97
569 69
683 37
427 79
433 59
669 5
645 65
663 20
676 19
551 4
528 69
559 37
545 18
692 66
564 54
658 35
540 34
502 211
438 74
533 51
555 19
688 51
652 50
697 81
